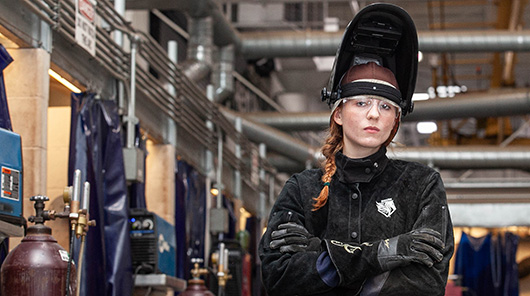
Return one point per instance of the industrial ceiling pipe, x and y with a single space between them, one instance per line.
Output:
317 43
491 104
455 157
222 77
223 32
466 157
274 139
199 56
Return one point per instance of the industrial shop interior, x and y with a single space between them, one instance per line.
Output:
143 144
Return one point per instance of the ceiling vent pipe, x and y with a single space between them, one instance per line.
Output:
222 77
223 32
274 139
466 157
491 104
456 157
311 43
197 66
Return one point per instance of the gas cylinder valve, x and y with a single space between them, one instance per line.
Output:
40 214
196 272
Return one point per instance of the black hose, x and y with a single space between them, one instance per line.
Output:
69 262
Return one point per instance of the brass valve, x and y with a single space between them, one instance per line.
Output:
196 272
83 222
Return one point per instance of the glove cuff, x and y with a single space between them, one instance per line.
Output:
387 254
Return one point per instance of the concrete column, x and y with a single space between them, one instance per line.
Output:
160 180
27 89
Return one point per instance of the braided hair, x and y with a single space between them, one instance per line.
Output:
333 144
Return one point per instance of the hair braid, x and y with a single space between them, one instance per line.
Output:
332 145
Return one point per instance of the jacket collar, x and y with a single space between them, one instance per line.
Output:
360 170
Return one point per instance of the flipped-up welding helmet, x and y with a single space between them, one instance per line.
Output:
386 35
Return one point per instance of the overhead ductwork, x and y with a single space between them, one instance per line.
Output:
492 104
200 45
274 139
222 77
466 157
455 157
223 32
317 43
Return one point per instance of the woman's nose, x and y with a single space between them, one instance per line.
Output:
373 111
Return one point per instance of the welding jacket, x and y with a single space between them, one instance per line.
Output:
370 200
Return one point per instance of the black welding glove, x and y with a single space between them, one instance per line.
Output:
422 246
291 237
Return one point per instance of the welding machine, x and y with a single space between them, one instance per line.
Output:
11 181
153 243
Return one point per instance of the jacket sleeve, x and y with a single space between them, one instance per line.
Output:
290 273
418 279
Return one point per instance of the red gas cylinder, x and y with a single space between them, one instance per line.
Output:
38 265
196 287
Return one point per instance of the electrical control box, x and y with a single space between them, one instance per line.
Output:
11 199
153 243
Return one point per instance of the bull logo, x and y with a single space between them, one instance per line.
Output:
386 207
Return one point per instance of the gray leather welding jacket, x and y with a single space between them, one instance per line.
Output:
370 200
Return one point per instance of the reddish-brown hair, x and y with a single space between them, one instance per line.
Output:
332 145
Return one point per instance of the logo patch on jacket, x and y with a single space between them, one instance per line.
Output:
386 207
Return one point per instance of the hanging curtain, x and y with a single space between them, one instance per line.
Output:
253 226
510 267
5 60
487 265
180 221
190 216
96 150
232 219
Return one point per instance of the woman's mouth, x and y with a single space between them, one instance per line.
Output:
371 129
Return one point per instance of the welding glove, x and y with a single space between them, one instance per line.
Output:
422 246
291 237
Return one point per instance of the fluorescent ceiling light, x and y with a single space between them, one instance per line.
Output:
63 81
426 127
420 96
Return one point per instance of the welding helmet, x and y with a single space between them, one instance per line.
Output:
386 35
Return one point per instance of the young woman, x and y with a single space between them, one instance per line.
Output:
364 224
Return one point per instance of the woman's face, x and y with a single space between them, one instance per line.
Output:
366 124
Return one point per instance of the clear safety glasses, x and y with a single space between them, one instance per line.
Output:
366 103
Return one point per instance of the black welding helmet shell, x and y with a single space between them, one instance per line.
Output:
385 34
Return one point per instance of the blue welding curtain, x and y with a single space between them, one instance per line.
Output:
5 60
190 217
487 264
96 149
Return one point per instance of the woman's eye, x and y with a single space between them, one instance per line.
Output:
362 103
